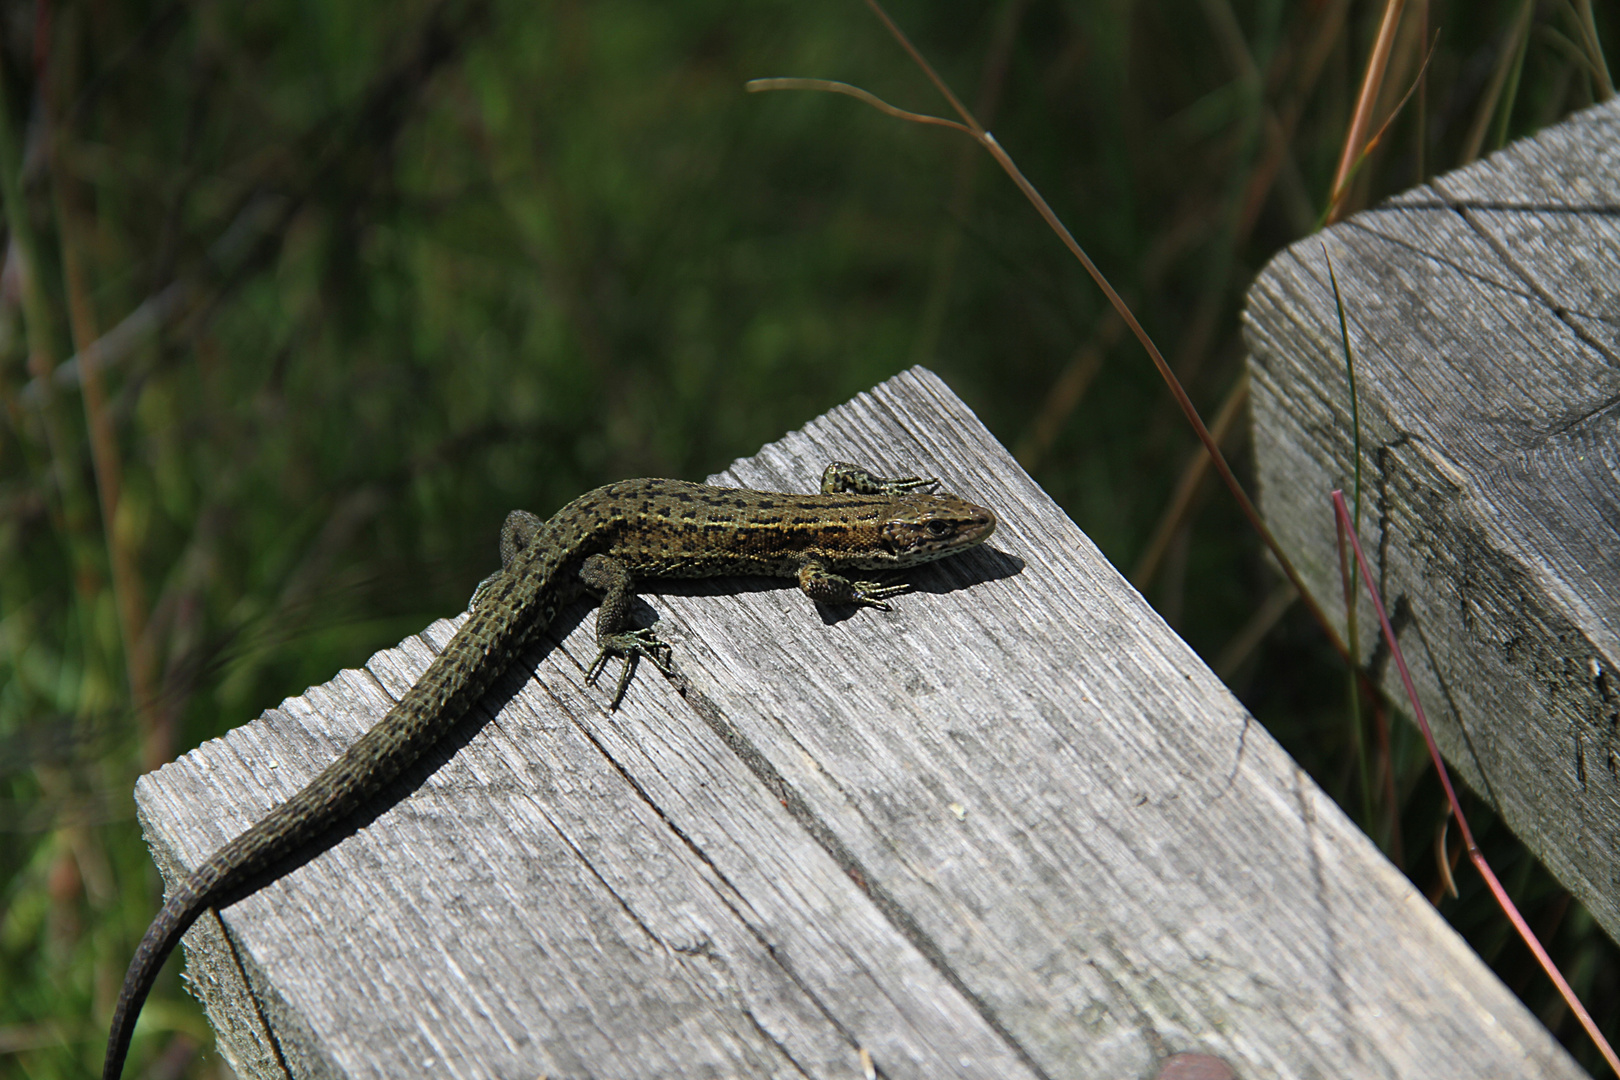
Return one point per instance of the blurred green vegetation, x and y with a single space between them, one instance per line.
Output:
403 267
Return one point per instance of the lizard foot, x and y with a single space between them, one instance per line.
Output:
629 644
873 593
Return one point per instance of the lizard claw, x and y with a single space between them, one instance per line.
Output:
873 593
629 644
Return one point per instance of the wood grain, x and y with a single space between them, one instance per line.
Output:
1485 323
1013 828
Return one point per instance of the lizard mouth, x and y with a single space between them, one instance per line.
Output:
983 525
939 532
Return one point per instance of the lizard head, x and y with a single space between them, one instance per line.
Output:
920 528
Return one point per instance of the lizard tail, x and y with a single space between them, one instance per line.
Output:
457 677
173 920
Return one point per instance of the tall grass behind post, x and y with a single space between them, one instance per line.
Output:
66 657
1497 103
1356 151
362 279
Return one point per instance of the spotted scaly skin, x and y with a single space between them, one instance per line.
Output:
601 542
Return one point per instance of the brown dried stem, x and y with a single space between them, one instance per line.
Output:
128 593
1361 120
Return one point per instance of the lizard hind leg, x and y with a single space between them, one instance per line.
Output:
842 478
517 535
611 578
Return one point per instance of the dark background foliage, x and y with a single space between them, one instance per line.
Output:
366 276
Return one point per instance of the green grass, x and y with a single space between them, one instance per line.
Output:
442 261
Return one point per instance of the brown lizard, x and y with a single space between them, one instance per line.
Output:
602 542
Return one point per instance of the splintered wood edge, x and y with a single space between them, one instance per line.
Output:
891 941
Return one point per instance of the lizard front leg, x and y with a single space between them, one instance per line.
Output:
843 478
611 578
821 583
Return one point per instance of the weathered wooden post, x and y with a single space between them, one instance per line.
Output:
1484 313
1014 828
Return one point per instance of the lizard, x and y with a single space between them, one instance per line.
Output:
603 542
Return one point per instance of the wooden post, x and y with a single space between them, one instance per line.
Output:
1484 314
1013 828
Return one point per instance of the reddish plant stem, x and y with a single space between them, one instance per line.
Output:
1475 856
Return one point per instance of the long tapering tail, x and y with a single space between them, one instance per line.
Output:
457 677
173 920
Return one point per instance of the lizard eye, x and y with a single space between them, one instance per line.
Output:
939 528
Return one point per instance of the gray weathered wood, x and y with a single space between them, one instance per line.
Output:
1484 312
1014 828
